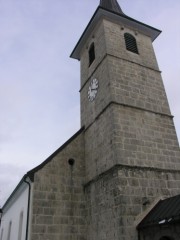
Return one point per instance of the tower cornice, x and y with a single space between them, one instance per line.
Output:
120 18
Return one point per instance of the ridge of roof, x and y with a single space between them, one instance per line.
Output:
31 173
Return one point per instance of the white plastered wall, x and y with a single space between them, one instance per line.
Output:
12 210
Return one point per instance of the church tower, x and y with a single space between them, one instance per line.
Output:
131 147
118 177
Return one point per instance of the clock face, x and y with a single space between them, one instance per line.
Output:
93 89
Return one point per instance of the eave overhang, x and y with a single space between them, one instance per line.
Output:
124 20
165 212
17 191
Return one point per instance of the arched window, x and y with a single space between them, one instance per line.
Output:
131 44
20 226
9 231
91 54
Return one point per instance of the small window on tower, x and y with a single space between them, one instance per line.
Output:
91 54
131 44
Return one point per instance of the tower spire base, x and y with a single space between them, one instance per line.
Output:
111 5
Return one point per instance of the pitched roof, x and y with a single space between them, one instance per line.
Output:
165 212
30 174
111 5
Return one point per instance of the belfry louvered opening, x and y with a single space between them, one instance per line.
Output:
131 44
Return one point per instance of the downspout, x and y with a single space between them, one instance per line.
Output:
1 213
28 207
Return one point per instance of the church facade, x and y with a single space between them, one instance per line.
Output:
118 175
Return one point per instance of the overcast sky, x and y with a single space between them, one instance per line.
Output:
39 83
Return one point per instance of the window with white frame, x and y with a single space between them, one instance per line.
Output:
9 231
20 226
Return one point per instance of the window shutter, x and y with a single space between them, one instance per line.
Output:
131 44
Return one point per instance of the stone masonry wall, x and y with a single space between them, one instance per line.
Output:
137 86
97 36
90 110
130 136
131 147
124 77
99 147
115 45
129 122
143 138
58 197
117 198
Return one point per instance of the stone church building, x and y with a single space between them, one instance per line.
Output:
118 177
